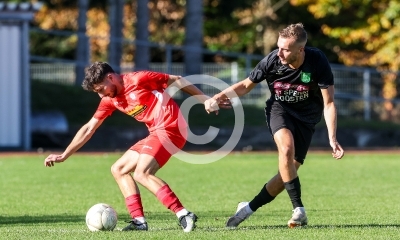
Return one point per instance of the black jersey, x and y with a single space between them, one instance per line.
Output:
295 91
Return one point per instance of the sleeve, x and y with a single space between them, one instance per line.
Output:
324 71
153 80
259 73
105 109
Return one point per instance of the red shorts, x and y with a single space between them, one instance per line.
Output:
162 144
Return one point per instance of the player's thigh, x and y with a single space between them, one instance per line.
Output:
281 128
147 164
302 140
161 146
126 163
284 139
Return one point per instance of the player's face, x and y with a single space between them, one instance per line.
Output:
289 52
106 88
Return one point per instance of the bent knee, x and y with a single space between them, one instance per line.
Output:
115 169
140 177
287 151
118 170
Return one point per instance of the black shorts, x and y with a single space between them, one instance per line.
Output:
302 132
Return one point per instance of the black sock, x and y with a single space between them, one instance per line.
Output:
261 199
293 188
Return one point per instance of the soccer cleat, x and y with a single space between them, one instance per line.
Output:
240 215
299 218
187 222
135 226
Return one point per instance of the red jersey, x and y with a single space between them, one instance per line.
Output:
144 98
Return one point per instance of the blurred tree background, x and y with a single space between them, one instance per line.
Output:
354 33
369 35
361 33
238 26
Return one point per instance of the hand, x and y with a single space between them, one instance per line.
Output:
211 105
53 158
225 103
338 151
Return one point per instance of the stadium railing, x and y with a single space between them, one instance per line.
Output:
358 91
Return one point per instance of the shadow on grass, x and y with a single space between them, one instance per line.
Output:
170 218
66 218
250 228
26 219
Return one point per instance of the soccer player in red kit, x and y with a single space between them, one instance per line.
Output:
142 96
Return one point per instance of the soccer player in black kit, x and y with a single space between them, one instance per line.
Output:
301 83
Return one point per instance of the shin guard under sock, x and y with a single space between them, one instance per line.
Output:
293 188
168 198
261 199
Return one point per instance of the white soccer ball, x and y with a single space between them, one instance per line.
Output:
101 217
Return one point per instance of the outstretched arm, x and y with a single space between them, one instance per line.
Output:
81 137
330 116
236 90
187 87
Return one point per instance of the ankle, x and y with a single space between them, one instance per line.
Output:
139 220
248 209
182 212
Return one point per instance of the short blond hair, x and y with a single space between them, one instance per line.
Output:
295 31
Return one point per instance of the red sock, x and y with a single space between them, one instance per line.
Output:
168 198
134 205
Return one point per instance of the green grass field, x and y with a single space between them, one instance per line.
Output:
353 198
